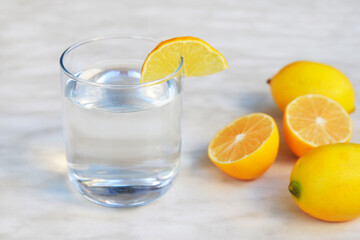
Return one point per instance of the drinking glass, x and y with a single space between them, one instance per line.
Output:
122 137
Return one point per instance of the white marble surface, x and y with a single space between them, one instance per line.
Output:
257 38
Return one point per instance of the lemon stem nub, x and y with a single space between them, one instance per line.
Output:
268 81
295 189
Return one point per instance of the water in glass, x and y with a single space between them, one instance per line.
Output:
123 144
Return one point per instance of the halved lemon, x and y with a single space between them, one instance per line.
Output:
199 59
313 120
246 147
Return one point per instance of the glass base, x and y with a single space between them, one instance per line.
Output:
118 195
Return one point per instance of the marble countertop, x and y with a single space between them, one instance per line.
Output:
256 37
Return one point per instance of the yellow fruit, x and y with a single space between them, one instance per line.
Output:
325 182
300 78
313 120
246 147
199 57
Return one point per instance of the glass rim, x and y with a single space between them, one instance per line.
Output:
93 39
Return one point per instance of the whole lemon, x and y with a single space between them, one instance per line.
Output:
325 182
304 77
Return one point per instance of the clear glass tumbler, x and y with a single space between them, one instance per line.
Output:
122 137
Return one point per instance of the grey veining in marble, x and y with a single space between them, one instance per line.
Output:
256 37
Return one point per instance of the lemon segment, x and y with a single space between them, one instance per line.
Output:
200 59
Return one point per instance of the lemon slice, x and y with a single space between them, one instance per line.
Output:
199 58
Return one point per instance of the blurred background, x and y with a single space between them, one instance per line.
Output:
256 37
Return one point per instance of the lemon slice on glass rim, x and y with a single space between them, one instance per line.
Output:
199 59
